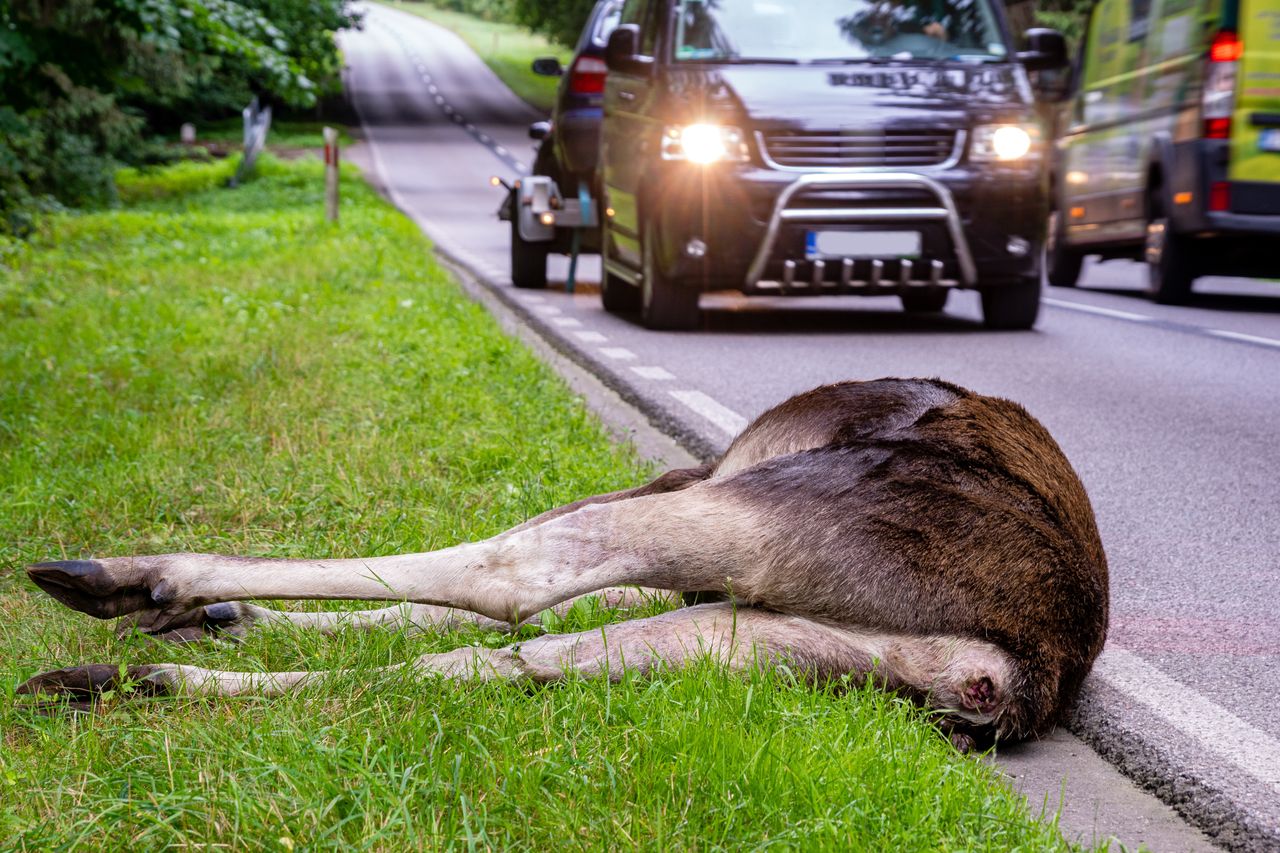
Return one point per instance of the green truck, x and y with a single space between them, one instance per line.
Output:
1171 149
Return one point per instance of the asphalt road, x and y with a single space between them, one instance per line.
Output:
1171 416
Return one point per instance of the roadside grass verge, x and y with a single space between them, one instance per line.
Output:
214 370
508 49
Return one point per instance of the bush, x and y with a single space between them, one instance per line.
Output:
83 81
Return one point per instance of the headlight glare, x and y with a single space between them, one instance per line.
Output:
704 144
1006 143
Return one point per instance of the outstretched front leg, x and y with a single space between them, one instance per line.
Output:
969 681
235 619
684 540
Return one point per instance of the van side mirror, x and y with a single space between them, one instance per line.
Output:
1046 50
548 66
623 51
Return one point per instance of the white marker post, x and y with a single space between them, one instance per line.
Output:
330 174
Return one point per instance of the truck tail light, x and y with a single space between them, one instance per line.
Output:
1220 196
1218 100
586 77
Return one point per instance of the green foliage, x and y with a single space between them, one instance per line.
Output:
81 82
559 20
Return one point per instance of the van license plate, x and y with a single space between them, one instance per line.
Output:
862 244
1270 139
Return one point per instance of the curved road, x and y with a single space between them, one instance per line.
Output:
1171 416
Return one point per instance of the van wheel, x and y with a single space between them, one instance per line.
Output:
528 261
619 295
666 304
1170 262
1062 263
1012 306
924 301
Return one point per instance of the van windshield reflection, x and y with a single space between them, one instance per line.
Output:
830 31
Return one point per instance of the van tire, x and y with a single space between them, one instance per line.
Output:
1062 263
924 301
528 260
1171 262
618 295
665 304
1012 306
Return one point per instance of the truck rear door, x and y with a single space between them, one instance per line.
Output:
1254 169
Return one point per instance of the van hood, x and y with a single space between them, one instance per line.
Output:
872 95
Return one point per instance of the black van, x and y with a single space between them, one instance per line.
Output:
823 146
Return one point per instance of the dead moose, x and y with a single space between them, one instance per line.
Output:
909 531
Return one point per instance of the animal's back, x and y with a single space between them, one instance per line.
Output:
919 507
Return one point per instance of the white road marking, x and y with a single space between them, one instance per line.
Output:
725 418
590 337
657 374
433 89
485 138
471 127
1241 336
500 150
1094 309
533 297
566 322
549 310
618 353
1205 722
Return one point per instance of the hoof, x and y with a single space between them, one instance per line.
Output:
90 682
85 585
225 620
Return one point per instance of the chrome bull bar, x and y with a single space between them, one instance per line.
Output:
944 212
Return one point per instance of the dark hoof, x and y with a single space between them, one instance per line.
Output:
85 586
90 682
225 620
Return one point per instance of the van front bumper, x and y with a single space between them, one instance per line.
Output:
745 228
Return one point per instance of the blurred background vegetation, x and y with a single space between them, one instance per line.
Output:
87 85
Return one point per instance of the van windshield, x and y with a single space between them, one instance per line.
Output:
836 30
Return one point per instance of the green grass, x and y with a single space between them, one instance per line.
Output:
506 48
218 370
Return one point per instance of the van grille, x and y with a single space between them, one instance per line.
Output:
837 149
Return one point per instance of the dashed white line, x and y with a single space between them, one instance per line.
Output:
1094 309
723 417
590 337
657 374
471 127
485 138
566 322
618 353
1241 336
533 297
433 89
549 310
500 150
1205 722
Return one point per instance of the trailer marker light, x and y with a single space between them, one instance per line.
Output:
1220 196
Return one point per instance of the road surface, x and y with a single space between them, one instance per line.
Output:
1170 414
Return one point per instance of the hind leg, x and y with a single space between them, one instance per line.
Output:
967 681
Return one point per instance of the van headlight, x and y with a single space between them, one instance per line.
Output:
704 144
1004 142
